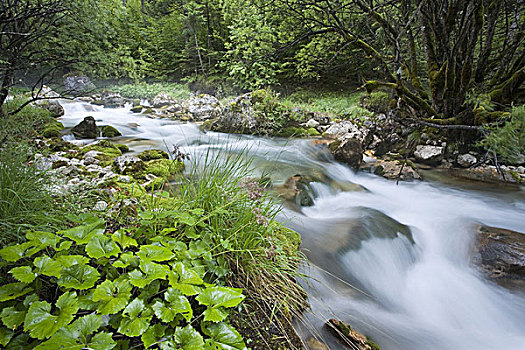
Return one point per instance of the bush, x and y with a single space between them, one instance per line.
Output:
25 124
149 91
508 141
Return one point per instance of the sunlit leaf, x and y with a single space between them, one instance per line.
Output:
188 338
12 318
155 253
70 260
44 265
15 252
125 260
112 296
153 335
43 239
23 274
82 234
223 337
184 279
176 303
41 324
101 246
123 239
136 319
78 277
151 271
217 298
13 290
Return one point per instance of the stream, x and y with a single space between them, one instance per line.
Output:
391 260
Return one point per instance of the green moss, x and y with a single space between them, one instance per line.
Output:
313 132
151 154
51 131
164 168
122 148
107 149
136 109
57 145
109 131
291 239
372 344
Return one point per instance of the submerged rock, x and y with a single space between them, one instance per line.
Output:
86 129
429 154
296 190
500 254
350 337
393 170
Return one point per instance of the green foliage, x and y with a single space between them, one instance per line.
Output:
91 288
508 141
149 91
25 124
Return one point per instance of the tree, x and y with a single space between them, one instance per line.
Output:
23 24
440 57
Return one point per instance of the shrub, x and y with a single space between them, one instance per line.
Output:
25 124
508 141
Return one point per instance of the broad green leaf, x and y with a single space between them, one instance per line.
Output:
43 239
125 260
123 239
150 290
102 246
153 335
102 341
151 271
23 274
82 234
136 319
12 318
78 277
21 342
188 338
85 301
216 296
155 253
41 324
185 280
30 299
84 326
44 265
112 296
64 246
223 337
176 303
13 290
15 252
70 260
5 336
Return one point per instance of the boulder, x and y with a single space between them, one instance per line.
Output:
78 84
349 151
112 100
204 107
348 130
392 169
427 154
466 160
109 131
54 107
162 100
86 129
128 165
151 154
488 173
500 254
238 117
312 123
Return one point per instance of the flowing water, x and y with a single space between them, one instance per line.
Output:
394 261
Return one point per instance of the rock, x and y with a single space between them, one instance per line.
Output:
100 206
348 336
296 190
109 131
91 154
93 168
432 155
500 254
391 170
86 129
54 107
42 163
112 100
238 117
487 174
151 154
162 100
128 165
136 109
78 84
124 178
312 123
87 99
90 160
348 130
51 131
349 151
204 107
466 160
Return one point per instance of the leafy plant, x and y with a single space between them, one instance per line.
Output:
137 285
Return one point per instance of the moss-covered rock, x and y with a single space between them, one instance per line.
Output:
109 131
108 151
122 148
164 168
58 145
136 109
51 131
151 154
129 165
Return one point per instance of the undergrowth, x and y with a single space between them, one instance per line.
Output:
150 90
